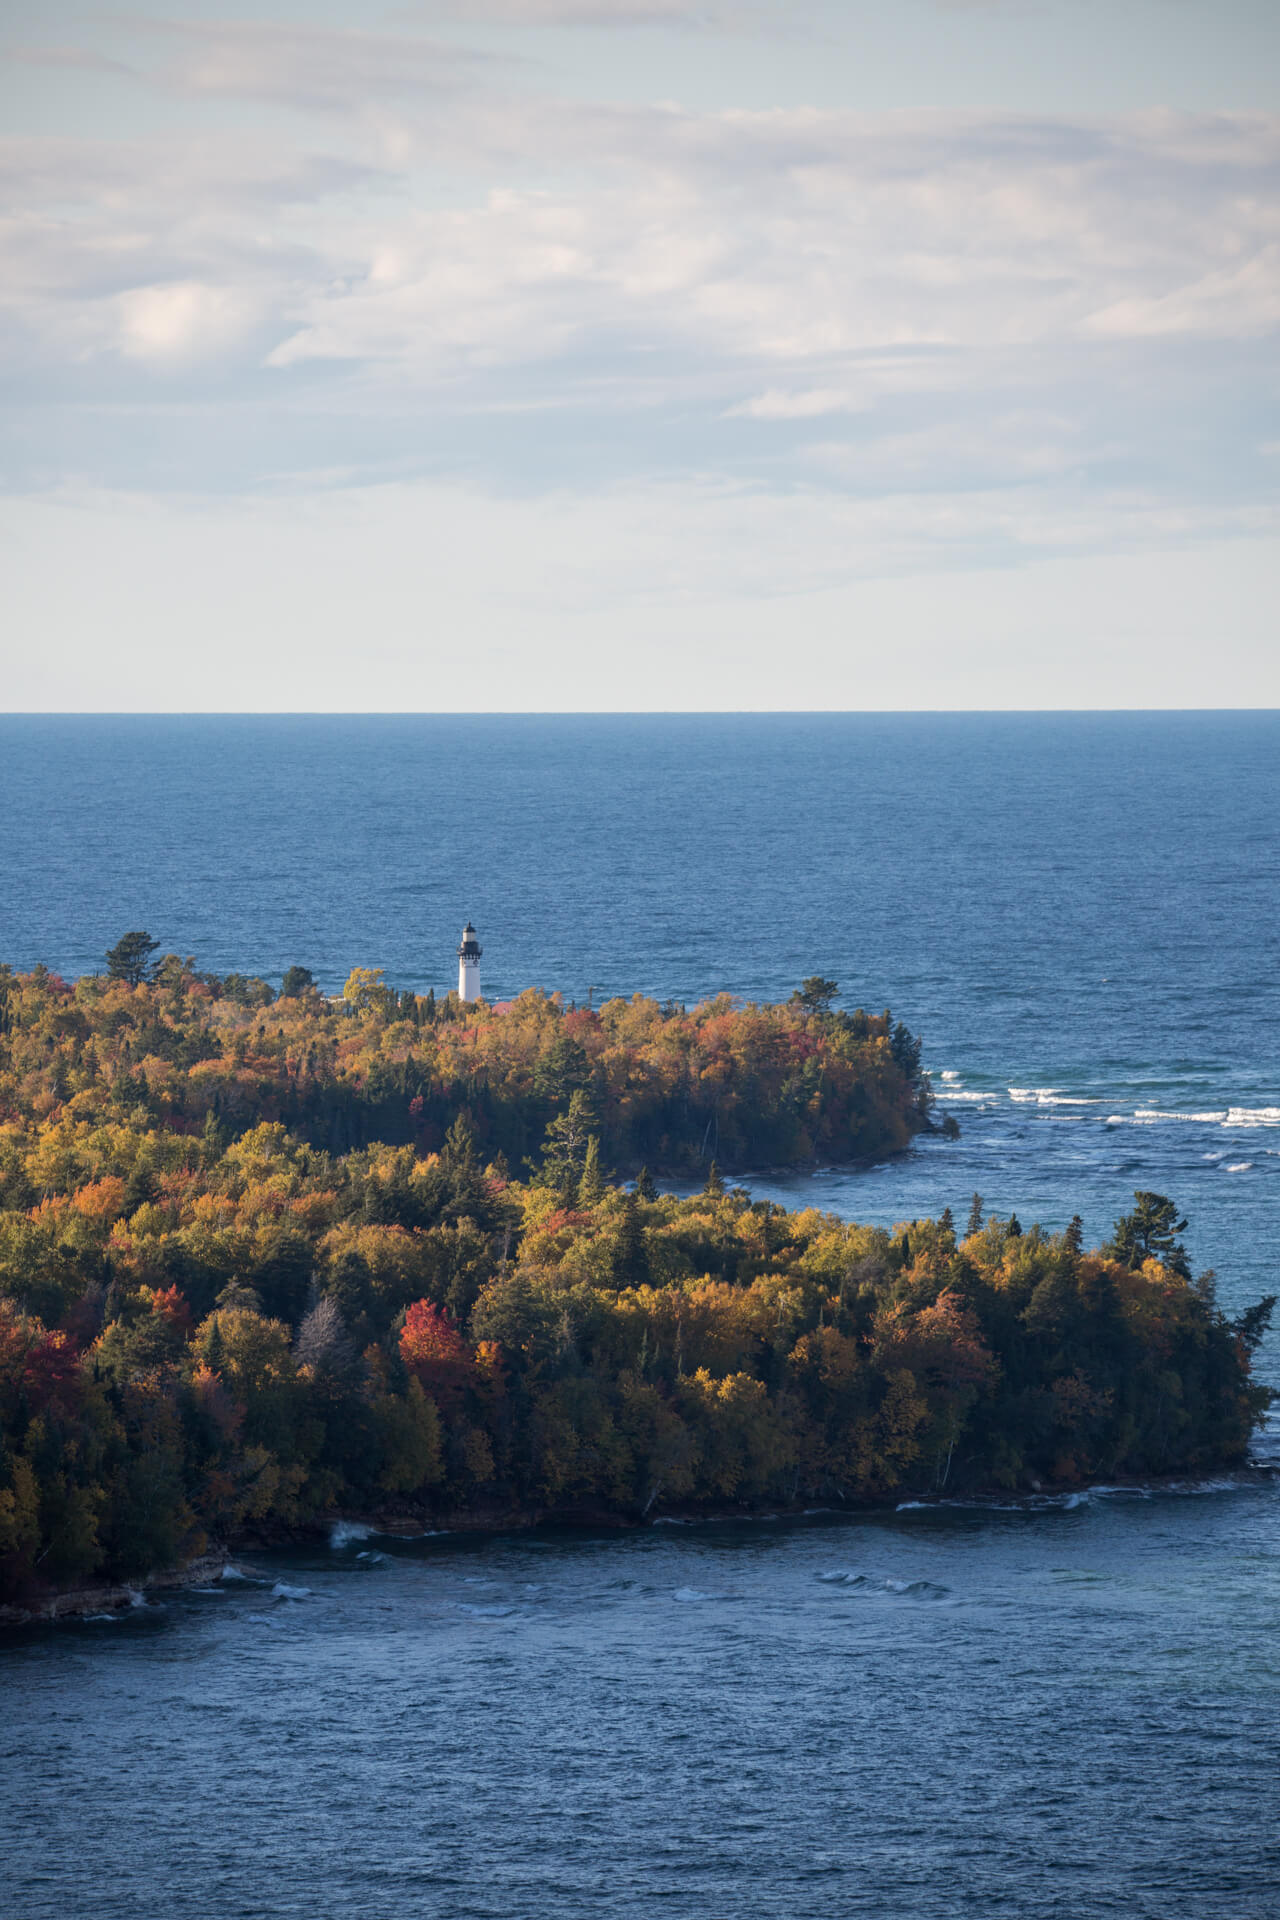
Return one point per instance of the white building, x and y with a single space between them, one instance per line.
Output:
469 964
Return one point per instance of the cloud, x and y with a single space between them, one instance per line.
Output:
777 403
182 320
585 13
448 271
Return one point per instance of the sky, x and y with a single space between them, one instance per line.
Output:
565 355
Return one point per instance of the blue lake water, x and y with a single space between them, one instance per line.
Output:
1060 1710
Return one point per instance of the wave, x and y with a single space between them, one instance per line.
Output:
1238 1166
691 1593
917 1589
840 1578
345 1533
1050 1097
232 1573
1231 1119
949 1074
281 1591
486 1613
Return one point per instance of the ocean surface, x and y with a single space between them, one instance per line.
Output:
1061 1708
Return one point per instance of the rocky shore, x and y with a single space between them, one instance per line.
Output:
79 1603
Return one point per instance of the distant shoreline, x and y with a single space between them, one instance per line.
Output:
82 1603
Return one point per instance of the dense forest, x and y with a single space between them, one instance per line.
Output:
667 1087
264 1259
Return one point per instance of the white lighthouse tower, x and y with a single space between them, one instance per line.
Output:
469 964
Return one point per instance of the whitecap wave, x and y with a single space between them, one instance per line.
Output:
282 1591
917 1589
1050 1097
1247 1117
232 1573
1239 1166
690 1594
949 1074
841 1577
345 1533
486 1613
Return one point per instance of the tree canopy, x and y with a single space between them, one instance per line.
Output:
226 1304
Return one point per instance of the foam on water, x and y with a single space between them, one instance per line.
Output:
345 1533
282 1591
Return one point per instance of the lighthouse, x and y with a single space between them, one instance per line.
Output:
469 964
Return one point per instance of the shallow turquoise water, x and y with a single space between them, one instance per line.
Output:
1063 1711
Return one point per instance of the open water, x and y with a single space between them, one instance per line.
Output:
1065 1708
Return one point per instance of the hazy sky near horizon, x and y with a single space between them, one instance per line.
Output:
640 354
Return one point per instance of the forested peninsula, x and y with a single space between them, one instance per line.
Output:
267 1259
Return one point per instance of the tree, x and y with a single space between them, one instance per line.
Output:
566 1143
815 994
630 1257
296 982
130 958
1150 1232
364 988
715 1180
974 1222
645 1188
906 1050
591 1184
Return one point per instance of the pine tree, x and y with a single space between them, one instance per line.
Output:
591 1185
644 1185
974 1224
130 958
630 1259
1073 1238
1151 1232
715 1184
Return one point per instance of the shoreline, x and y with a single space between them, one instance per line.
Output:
111 1598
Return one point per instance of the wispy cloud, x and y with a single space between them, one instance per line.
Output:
439 267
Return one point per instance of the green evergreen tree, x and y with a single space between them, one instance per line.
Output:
1150 1232
974 1223
630 1258
130 958
591 1182
644 1185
